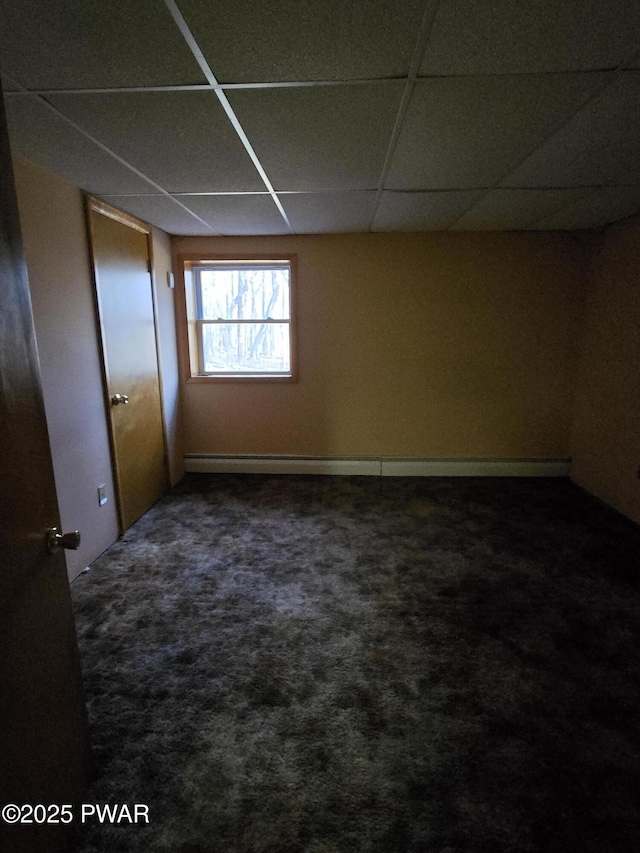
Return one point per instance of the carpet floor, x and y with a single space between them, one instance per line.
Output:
366 665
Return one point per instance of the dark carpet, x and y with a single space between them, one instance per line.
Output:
366 665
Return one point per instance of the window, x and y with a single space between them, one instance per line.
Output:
240 318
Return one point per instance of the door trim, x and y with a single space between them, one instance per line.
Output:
91 205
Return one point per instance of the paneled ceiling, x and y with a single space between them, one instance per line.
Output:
315 116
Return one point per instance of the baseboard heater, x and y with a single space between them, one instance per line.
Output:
369 466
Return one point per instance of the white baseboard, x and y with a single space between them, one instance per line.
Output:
475 467
386 466
212 464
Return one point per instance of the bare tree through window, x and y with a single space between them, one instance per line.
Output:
244 318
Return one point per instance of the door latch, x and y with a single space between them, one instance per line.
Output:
57 540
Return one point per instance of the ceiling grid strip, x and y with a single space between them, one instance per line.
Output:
161 190
540 220
292 84
426 26
182 25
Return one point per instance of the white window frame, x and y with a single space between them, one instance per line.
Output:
192 267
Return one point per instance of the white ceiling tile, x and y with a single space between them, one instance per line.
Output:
606 205
320 138
600 144
182 141
629 176
8 85
318 213
509 210
71 44
238 214
463 133
421 211
162 211
246 41
41 136
516 36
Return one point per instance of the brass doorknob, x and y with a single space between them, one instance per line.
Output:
57 540
119 399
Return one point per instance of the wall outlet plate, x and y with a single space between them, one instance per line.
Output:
102 494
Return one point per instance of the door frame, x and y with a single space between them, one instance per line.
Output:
91 205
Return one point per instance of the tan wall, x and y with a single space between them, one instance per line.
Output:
55 242
606 433
162 264
56 250
429 345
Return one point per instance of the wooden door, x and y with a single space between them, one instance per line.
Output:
121 261
44 754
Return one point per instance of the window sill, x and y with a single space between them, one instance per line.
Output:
255 378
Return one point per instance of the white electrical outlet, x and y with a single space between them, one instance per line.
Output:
102 494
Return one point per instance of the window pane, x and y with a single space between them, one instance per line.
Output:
245 294
246 347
